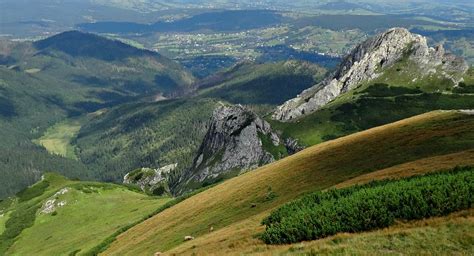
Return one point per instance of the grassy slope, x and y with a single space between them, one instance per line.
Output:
315 168
240 237
93 212
18 208
421 166
3 219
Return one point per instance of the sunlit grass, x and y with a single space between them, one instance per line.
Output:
57 139
229 206
92 212
241 237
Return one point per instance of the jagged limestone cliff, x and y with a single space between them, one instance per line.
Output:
366 62
237 140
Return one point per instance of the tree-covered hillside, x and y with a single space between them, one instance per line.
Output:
262 84
67 75
139 135
156 134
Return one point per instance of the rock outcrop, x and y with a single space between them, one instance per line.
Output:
237 140
366 62
153 181
53 202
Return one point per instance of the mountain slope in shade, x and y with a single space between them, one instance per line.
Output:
261 84
69 74
156 134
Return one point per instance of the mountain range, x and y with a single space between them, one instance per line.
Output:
130 113
211 165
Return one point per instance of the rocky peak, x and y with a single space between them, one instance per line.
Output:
237 140
366 62
382 50
153 181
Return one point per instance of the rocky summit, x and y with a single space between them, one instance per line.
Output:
237 140
367 61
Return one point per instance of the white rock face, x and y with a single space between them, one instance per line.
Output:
232 143
49 206
149 178
52 203
365 63
467 111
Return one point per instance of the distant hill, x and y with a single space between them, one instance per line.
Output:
79 44
234 20
340 5
136 70
250 83
367 23
77 61
67 75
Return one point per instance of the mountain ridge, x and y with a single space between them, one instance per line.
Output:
77 44
367 62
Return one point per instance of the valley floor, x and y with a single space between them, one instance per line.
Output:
57 139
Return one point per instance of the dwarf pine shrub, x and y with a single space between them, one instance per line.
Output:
371 206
